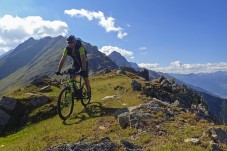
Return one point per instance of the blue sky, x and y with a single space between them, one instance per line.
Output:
180 36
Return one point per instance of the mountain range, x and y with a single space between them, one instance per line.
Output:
215 83
34 58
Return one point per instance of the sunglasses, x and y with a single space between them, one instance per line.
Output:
70 42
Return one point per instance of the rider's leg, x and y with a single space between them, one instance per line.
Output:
87 83
88 86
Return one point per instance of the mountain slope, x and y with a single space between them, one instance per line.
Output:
215 83
119 59
41 57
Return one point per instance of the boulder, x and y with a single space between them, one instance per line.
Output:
130 146
38 101
218 135
136 86
123 120
45 89
119 72
4 118
146 116
144 73
8 103
120 111
41 81
105 144
161 79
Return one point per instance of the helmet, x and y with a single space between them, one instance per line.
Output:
71 38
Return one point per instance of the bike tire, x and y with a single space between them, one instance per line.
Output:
65 103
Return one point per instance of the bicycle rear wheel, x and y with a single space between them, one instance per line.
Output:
65 103
82 92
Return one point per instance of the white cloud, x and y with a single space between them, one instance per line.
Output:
178 67
106 22
14 30
109 49
143 48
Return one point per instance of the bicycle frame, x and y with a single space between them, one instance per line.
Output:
74 88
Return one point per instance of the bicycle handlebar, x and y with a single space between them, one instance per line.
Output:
67 72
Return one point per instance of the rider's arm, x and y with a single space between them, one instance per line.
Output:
83 61
62 61
83 58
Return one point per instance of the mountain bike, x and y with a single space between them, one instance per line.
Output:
74 88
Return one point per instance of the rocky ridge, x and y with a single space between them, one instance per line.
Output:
166 104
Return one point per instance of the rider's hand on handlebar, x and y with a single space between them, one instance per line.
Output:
83 73
57 73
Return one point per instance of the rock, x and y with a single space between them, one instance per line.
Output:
8 103
218 135
41 81
45 89
128 69
195 141
144 73
123 120
161 79
130 146
119 72
105 71
136 86
215 147
55 83
105 144
39 101
146 116
4 118
110 97
121 88
120 111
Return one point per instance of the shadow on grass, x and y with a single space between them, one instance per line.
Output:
92 110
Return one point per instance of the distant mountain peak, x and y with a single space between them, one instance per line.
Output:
119 59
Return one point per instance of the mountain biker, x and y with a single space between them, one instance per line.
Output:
76 50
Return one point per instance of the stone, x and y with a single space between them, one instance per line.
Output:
123 120
218 135
144 73
105 144
192 140
136 86
39 101
130 146
4 118
120 111
8 103
215 147
45 89
41 81
161 79
110 97
119 72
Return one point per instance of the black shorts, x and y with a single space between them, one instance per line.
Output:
78 68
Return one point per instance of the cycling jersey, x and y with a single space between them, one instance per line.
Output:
75 54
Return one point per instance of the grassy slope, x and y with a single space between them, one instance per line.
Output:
97 122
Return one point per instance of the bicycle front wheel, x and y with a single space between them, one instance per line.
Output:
65 103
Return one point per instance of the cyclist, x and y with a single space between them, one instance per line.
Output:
76 50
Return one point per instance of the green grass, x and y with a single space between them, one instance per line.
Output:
97 121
